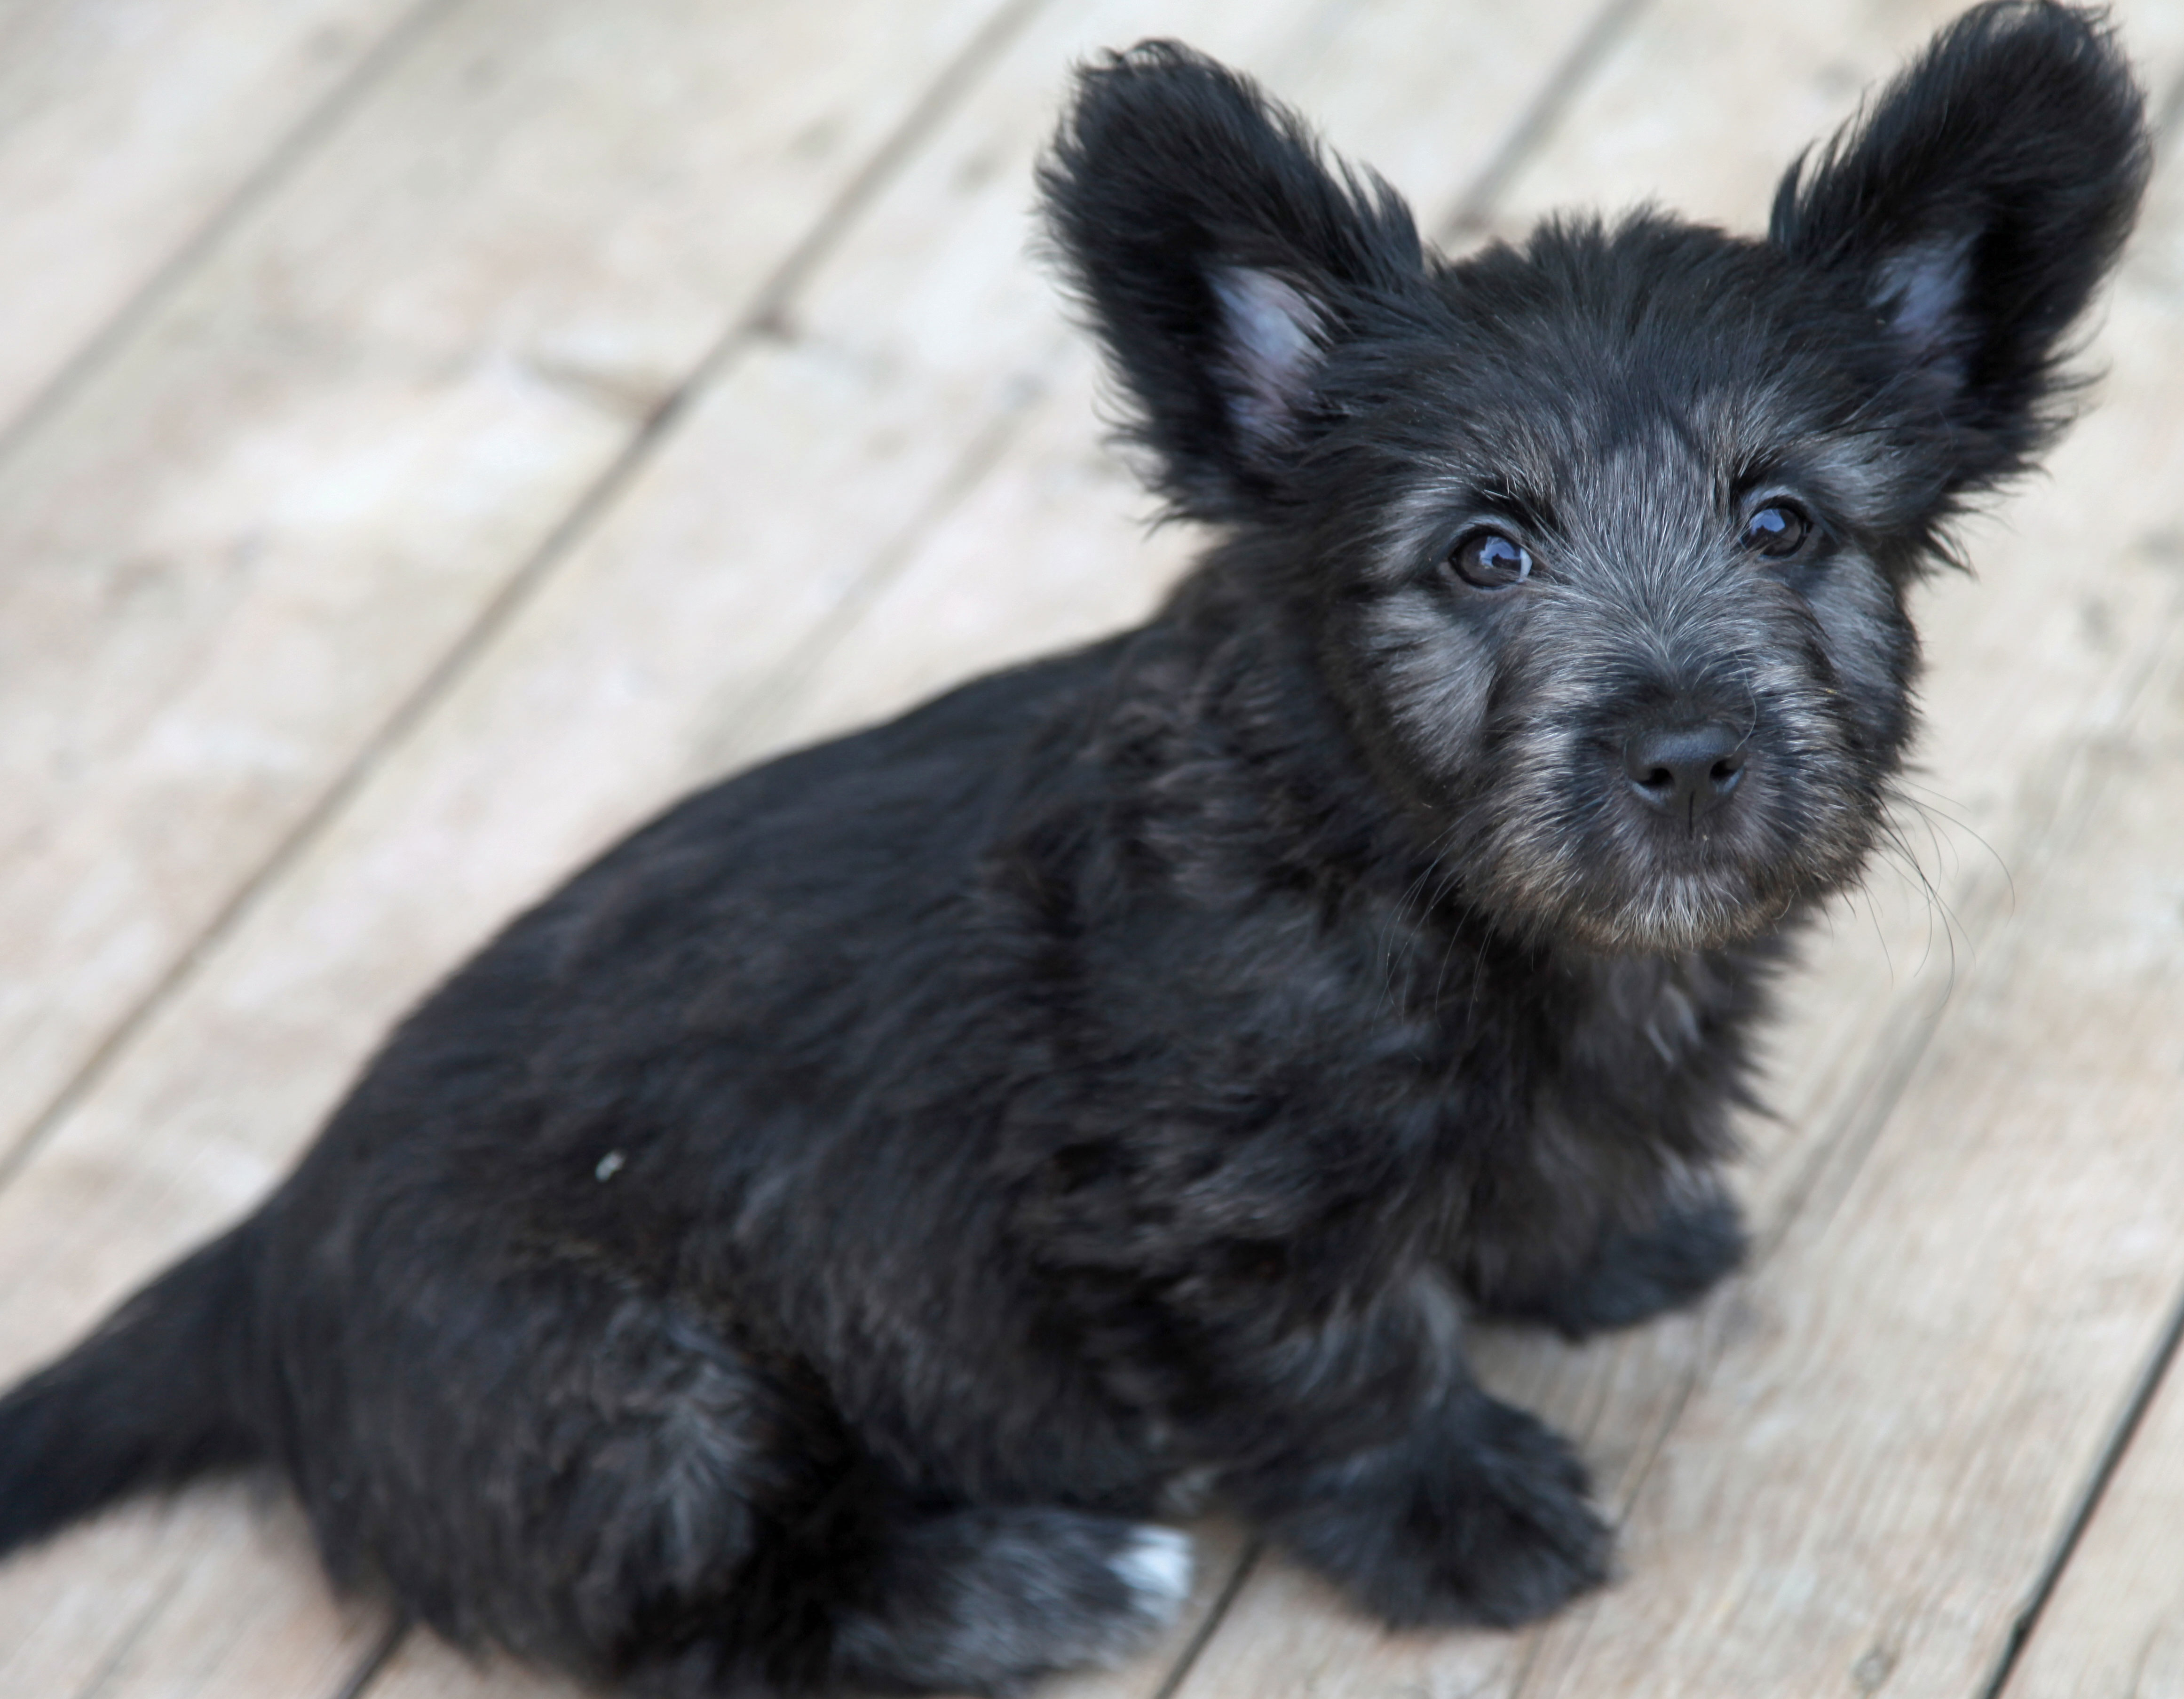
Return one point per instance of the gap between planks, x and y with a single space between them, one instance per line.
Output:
2103 1472
368 1666
289 151
1565 81
1245 1566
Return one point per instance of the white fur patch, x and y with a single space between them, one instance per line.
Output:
1158 1566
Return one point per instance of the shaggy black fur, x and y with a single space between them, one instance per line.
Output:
806 1249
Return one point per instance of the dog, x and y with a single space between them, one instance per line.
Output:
813 1247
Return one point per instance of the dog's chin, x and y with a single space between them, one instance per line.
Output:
1652 909
1673 915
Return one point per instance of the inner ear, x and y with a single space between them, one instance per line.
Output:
1921 292
1272 338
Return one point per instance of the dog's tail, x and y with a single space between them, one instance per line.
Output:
150 1399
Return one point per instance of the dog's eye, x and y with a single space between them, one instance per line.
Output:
1490 560
1777 530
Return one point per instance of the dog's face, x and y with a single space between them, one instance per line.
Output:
1602 542
1623 615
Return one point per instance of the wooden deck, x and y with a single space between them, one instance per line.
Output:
433 433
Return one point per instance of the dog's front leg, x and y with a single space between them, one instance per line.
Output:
1270 1304
1476 1514
1630 1274
1368 1450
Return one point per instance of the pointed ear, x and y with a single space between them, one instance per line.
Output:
1977 206
1221 259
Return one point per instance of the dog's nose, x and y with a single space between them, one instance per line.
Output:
1687 770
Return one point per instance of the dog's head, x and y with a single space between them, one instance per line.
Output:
1603 542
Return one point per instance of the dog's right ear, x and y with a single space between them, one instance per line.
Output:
1222 258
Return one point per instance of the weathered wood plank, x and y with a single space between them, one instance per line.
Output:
2115 1624
126 128
184 1629
240 544
634 666
2029 666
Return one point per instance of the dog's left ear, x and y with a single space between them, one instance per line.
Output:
1222 258
1977 206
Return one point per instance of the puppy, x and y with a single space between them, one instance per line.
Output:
809 1247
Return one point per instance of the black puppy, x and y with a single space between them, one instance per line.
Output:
807 1248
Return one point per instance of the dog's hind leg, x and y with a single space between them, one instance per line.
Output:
583 1473
867 1591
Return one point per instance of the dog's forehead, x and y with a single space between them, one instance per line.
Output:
1616 463
1575 450
1627 450
1653 337
1634 384
1590 426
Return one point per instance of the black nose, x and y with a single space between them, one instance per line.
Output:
1687 770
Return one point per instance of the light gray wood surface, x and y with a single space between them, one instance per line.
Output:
131 132
474 423
284 501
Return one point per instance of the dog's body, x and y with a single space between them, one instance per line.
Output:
807 1247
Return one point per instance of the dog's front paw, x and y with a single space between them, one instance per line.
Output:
1487 1524
1634 1276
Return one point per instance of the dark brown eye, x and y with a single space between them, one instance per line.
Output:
1777 530
1490 560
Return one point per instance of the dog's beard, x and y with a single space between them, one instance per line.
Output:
1564 853
1556 898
